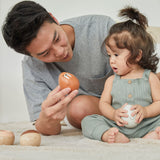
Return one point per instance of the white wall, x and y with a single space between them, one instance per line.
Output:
12 101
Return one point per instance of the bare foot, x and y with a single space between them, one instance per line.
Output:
114 136
154 134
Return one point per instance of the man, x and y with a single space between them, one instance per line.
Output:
76 46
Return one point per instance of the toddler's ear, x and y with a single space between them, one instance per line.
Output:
54 18
139 56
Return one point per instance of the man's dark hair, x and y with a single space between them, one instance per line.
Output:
22 24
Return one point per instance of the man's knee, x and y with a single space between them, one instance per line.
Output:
80 107
76 112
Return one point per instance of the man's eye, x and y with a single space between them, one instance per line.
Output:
46 54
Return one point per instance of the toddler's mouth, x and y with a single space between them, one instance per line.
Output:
114 69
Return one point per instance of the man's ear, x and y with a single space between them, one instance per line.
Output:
54 18
139 56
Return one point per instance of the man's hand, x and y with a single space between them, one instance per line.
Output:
54 109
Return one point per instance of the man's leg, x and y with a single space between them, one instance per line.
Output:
80 107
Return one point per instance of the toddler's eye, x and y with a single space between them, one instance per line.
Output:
116 54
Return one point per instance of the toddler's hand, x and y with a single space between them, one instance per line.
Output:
121 112
140 111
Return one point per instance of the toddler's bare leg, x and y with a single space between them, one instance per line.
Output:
154 134
114 136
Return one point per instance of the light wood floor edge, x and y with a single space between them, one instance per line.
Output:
155 32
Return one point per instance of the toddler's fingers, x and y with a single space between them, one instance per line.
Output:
124 105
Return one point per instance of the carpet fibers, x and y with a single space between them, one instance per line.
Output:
71 145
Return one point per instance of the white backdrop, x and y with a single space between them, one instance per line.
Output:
12 102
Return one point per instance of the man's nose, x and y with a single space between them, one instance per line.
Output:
58 50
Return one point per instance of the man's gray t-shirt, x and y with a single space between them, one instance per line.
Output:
90 63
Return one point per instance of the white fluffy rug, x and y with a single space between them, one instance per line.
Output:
71 145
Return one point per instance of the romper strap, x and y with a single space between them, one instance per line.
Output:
146 74
117 76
